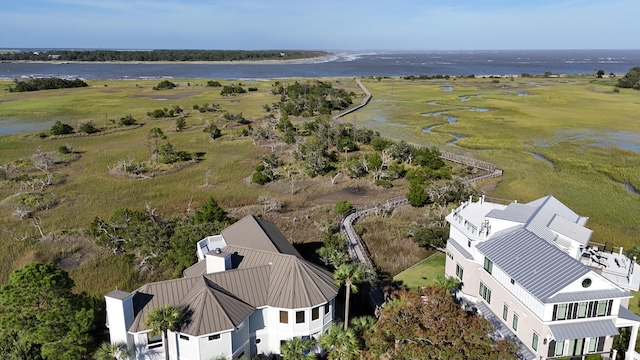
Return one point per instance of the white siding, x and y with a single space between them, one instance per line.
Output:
530 302
210 349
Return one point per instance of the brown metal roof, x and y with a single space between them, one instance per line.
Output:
293 282
254 233
208 307
266 271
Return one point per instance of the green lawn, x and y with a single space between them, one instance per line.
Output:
423 274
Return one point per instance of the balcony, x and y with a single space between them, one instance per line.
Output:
615 266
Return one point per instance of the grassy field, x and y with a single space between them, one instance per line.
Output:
424 273
575 123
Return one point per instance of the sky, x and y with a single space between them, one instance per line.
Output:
347 25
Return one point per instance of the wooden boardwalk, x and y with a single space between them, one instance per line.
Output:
355 246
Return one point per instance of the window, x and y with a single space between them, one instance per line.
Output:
592 344
469 243
586 283
449 255
561 312
184 337
214 337
602 308
505 312
576 347
534 342
284 317
582 310
327 308
485 292
315 313
515 322
459 271
559 348
299 317
258 341
513 281
488 265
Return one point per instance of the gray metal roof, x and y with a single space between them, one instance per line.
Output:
254 233
537 265
498 325
588 296
547 208
513 212
570 229
582 329
624 313
460 249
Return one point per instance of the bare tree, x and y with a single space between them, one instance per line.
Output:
334 178
37 223
43 162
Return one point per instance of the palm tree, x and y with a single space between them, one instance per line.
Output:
339 343
295 349
161 320
448 283
109 351
348 275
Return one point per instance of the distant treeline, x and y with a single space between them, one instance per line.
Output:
45 84
159 55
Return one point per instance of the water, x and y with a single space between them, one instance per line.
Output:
455 63
625 140
457 138
544 159
13 125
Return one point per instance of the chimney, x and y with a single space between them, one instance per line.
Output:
217 261
120 316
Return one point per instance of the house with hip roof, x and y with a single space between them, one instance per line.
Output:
249 292
532 270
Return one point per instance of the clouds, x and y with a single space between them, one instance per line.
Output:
328 24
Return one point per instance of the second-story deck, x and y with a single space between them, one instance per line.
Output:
613 265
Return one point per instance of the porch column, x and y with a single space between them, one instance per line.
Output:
632 341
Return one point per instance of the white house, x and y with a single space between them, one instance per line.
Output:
533 272
250 291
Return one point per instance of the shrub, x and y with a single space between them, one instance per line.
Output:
64 149
259 178
213 83
127 121
88 128
341 207
164 85
383 183
60 128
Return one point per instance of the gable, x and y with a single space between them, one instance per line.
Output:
537 265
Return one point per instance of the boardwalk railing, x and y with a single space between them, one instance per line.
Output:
354 108
356 247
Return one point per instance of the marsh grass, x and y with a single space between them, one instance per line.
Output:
386 239
551 120
585 174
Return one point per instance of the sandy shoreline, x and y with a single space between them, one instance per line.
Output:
229 62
